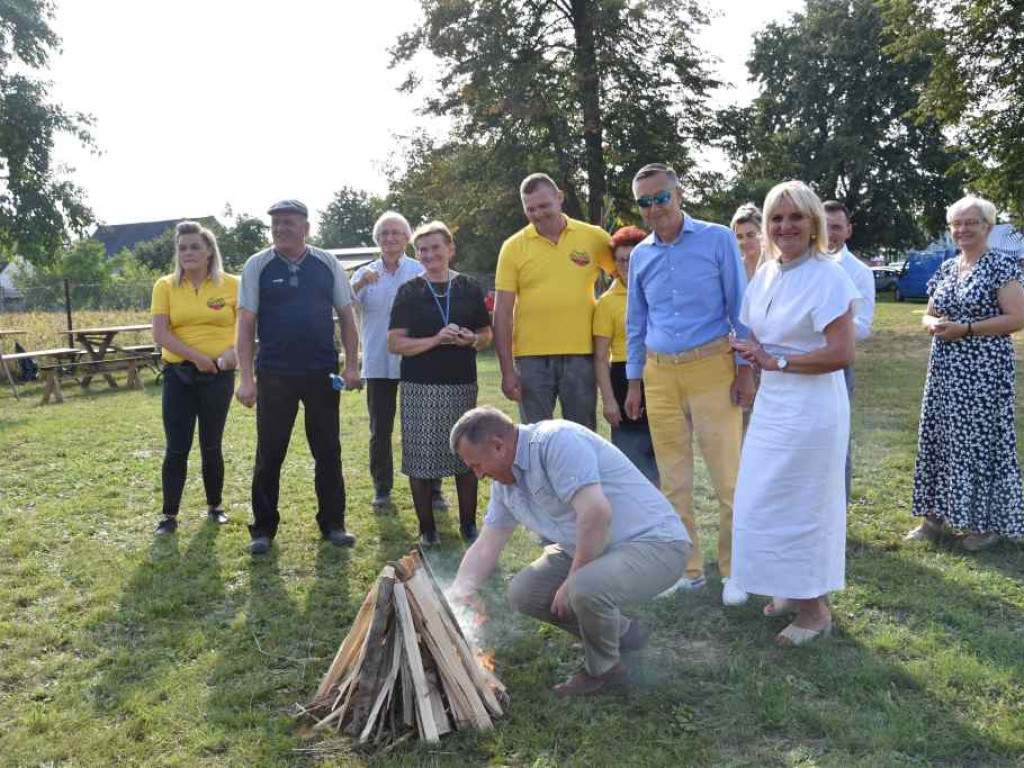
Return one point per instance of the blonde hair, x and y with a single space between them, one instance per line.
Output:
808 203
433 228
747 213
215 266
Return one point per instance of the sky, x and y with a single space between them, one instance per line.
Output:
204 104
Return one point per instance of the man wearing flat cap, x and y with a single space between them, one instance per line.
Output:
288 297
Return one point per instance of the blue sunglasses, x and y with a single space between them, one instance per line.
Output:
659 199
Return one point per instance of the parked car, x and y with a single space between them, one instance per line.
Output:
918 270
885 278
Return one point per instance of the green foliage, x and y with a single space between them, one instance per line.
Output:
976 84
158 253
586 91
38 204
95 280
835 111
248 235
348 220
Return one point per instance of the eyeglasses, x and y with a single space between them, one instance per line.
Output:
293 281
659 199
965 223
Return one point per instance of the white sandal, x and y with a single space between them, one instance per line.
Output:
793 635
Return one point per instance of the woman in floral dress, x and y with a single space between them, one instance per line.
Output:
967 476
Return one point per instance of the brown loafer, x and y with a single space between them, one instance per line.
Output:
975 542
582 683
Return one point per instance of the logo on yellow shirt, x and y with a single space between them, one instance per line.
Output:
217 303
580 258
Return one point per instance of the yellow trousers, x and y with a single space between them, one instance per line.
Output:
689 394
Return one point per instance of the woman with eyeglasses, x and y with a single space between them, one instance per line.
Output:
438 323
967 477
194 314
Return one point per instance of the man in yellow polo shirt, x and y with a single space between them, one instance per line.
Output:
544 308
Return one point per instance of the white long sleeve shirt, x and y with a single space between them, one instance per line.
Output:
864 279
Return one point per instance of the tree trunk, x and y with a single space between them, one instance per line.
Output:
589 86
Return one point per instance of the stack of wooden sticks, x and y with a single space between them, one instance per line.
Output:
406 669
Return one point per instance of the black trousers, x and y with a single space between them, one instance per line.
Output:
190 397
382 404
277 405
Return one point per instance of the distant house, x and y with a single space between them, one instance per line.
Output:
10 295
116 237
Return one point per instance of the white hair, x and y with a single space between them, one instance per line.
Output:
384 218
964 204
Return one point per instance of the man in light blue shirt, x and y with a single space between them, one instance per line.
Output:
374 288
616 539
686 285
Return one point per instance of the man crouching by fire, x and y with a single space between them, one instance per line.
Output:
615 537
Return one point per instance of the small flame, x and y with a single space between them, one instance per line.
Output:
486 659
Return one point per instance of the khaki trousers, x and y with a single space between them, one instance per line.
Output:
689 394
627 573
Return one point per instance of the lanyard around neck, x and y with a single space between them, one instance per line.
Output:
446 312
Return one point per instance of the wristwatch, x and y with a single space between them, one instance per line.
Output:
783 363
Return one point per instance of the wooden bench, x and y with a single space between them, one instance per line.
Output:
53 361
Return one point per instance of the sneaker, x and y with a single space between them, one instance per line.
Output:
217 516
168 525
430 539
339 537
469 532
686 584
259 546
634 639
731 594
439 503
583 683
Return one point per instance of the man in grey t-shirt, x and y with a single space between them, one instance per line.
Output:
616 539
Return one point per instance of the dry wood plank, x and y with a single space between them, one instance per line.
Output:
371 673
394 662
408 706
444 724
462 693
350 646
411 653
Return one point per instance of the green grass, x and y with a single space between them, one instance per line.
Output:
119 649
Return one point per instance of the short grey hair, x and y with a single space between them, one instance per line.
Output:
384 218
478 425
964 204
653 169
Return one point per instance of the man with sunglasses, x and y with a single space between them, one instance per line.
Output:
686 285
288 297
544 308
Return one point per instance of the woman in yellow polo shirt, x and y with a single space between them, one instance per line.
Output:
194 313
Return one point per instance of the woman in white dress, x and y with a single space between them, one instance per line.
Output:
789 528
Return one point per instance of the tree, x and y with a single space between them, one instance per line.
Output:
38 205
157 253
975 87
835 111
246 236
348 220
586 90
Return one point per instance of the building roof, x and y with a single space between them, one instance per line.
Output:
116 237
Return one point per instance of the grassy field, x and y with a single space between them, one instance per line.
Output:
119 649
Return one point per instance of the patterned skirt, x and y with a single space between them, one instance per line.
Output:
429 411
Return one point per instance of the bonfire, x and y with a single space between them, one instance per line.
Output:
406 669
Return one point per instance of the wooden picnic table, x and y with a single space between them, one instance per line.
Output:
4 334
99 343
